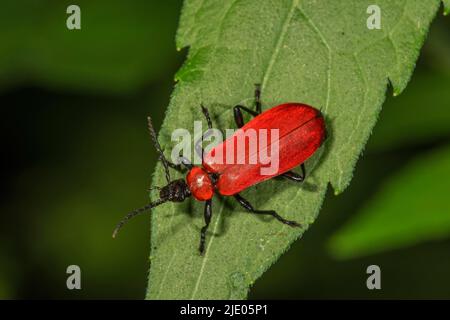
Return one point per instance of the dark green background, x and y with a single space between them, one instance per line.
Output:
76 157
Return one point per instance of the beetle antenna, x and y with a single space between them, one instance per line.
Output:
154 188
135 213
158 148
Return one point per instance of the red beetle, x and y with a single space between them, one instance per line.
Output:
301 132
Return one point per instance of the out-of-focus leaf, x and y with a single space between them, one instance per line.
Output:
121 45
316 52
8 274
419 115
93 167
437 48
411 207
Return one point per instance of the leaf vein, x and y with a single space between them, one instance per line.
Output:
278 45
325 42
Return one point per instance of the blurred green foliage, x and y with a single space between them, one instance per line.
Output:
423 114
121 45
410 207
78 157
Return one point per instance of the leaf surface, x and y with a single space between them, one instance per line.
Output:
316 52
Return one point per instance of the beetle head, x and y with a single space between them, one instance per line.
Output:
175 191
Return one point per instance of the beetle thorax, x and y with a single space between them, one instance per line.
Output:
200 184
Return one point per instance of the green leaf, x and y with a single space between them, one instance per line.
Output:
446 7
120 47
426 104
317 52
8 274
411 207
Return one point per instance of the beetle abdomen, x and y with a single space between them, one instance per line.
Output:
301 131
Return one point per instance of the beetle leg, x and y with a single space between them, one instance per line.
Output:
237 110
258 98
238 117
198 144
198 147
244 203
295 176
177 167
208 118
182 163
207 215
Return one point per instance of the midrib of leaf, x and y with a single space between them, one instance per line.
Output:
325 43
219 214
278 45
265 78
204 79
216 223
161 287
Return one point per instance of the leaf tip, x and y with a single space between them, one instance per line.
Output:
397 87
446 4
